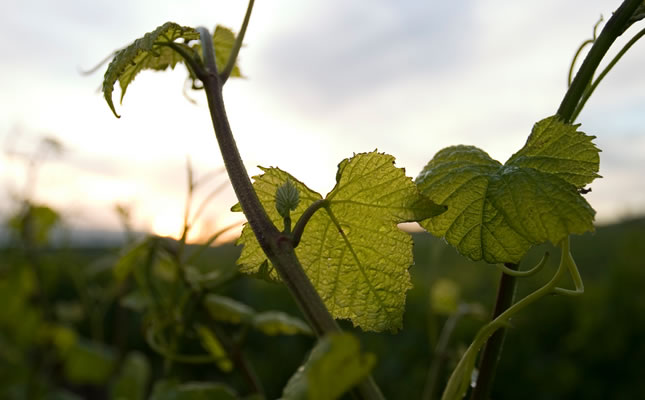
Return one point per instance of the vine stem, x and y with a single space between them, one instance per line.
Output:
589 91
441 352
574 99
614 28
299 229
237 45
273 242
460 378
493 348
277 246
582 47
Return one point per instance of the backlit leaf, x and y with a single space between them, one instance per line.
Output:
148 52
152 52
497 212
223 40
352 251
560 149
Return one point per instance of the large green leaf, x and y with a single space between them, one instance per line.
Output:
152 51
360 266
497 212
560 149
335 365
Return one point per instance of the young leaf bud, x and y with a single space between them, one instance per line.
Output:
287 198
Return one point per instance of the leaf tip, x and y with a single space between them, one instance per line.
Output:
109 101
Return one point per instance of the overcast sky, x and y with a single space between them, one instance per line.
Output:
325 79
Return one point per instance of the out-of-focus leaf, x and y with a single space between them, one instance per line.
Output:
130 258
335 365
34 223
200 279
228 310
63 337
215 348
279 323
132 381
69 311
165 269
170 390
136 300
15 292
62 395
89 363
444 297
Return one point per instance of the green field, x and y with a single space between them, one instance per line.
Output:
69 329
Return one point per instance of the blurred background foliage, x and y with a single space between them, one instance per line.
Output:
141 322
157 318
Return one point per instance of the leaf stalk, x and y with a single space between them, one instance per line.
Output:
299 228
493 348
226 72
460 378
592 87
579 91
511 269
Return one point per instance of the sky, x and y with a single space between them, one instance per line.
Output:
323 79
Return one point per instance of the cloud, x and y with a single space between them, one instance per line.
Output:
341 51
325 79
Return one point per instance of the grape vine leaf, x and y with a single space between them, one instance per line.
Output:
335 365
223 41
352 250
497 212
153 52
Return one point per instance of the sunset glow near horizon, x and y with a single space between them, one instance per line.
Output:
324 80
